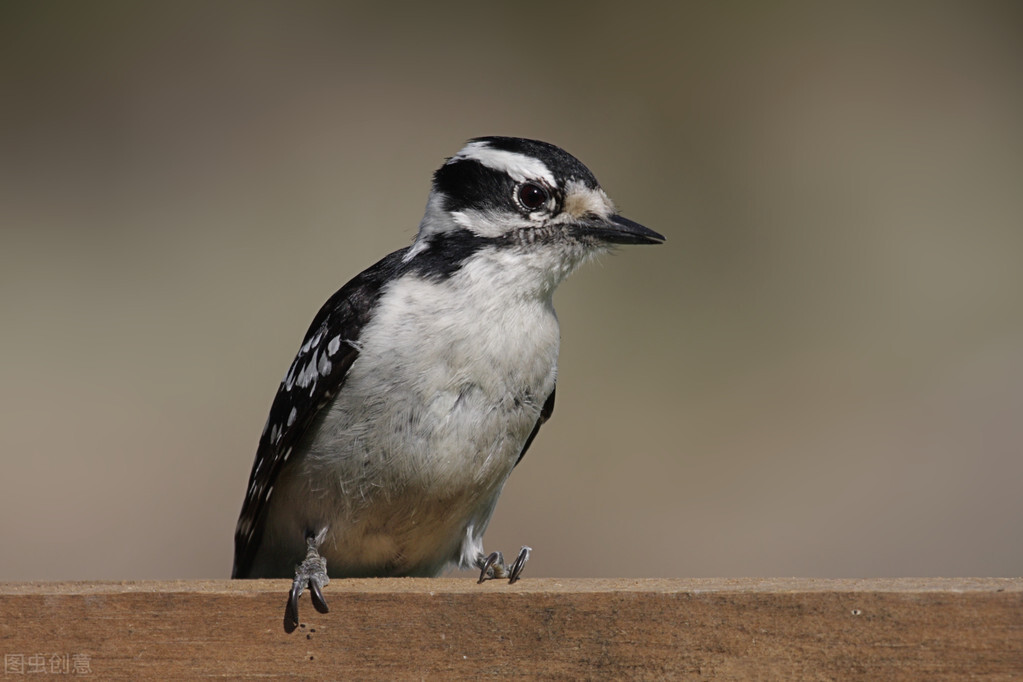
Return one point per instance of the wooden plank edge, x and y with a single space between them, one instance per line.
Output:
532 585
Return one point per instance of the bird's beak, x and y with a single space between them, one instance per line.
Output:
618 230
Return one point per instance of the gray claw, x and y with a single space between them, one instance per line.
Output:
520 562
316 594
491 567
311 572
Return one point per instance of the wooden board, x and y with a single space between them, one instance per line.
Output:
786 629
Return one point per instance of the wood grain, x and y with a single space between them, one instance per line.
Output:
785 629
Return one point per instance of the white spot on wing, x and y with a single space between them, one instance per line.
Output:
334 345
307 374
292 415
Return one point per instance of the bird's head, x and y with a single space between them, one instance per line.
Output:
527 194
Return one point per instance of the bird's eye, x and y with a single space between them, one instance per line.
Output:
532 196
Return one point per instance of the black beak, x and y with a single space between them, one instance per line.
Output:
618 230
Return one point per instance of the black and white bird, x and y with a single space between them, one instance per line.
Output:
423 381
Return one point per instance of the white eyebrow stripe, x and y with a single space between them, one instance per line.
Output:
519 166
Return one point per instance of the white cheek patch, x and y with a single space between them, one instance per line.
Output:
581 200
489 223
520 167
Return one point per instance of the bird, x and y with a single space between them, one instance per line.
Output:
422 382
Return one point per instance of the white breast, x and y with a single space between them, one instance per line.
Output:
407 463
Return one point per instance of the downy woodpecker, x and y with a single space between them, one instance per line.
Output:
423 381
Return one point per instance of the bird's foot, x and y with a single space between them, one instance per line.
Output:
493 566
311 572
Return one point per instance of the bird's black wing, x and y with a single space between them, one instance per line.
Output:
314 378
545 413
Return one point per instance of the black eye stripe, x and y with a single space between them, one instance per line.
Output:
467 183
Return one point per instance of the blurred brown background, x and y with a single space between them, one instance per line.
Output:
820 374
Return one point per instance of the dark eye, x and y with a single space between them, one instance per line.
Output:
532 196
